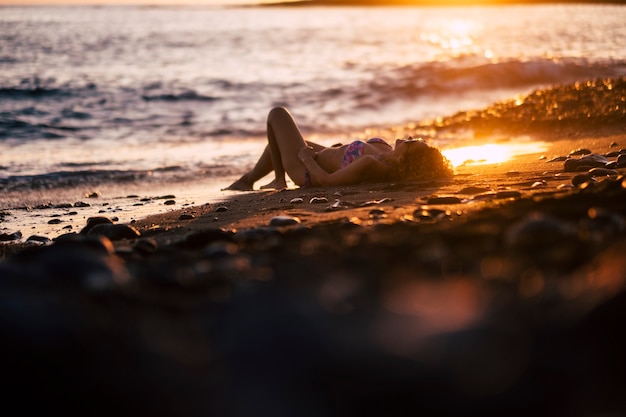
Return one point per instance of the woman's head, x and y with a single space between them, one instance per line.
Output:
415 159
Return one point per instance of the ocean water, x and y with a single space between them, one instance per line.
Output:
135 98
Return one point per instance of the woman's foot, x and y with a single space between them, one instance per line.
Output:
242 184
275 185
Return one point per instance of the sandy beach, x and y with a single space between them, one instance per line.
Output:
499 291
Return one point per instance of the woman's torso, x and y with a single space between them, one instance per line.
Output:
332 159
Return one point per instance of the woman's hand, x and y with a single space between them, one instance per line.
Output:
305 153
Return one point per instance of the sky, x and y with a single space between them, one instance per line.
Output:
127 2
206 2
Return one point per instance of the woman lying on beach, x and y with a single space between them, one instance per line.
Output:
309 164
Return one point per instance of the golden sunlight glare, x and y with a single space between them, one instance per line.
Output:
491 153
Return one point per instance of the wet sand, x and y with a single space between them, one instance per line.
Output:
498 291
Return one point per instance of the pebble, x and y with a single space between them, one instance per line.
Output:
444 200
297 200
186 216
581 179
146 246
169 202
220 209
93 221
508 194
201 239
39 239
536 231
429 214
601 225
279 221
473 190
376 202
601 172
8 237
55 221
114 231
337 205
585 163
81 204
377 214
580 151
221 249
484 196
100 244
318 200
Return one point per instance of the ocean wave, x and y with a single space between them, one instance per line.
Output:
189 95
83 178
445 78
35 88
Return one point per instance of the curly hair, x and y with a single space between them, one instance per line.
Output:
421 162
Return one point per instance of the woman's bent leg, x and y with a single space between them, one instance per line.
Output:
285 140
283 136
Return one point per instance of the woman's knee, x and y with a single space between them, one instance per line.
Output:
278 114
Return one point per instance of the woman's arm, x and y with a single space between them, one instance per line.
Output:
366 167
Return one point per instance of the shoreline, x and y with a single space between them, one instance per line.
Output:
139 207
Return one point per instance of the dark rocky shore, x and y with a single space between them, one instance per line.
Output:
514 309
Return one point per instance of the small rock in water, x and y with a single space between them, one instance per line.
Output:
220 209
169 202
296 200
81 204
55 221
186 216
279 221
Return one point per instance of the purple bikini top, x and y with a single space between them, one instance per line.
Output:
355 149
